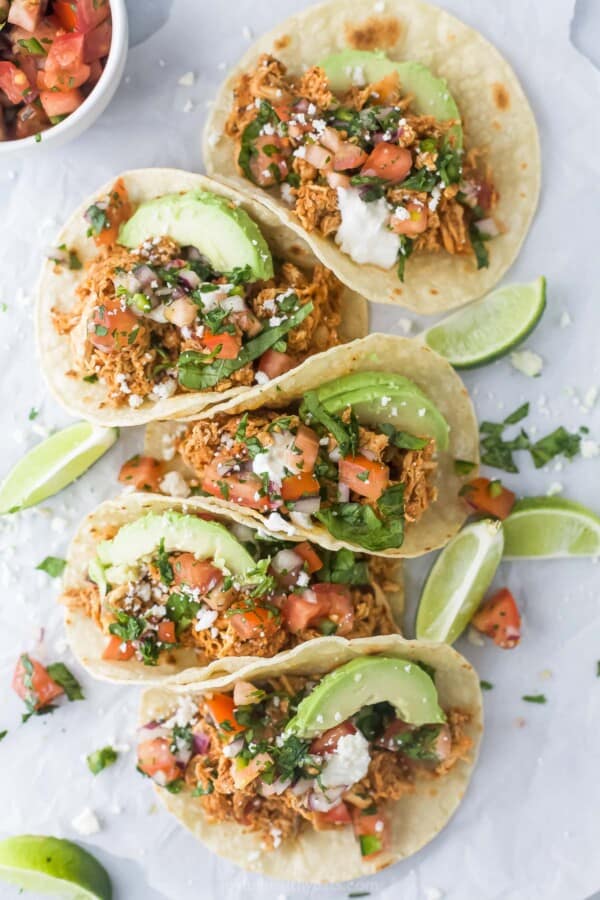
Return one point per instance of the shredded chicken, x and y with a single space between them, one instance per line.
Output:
317 208
418 469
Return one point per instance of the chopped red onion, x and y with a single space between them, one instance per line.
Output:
487 227
273 790
286 561
323 801
343 493
201 742
189 278
308 505
144 275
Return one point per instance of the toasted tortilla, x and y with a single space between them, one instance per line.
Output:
88 641
496 117
334 855
57 286
377 352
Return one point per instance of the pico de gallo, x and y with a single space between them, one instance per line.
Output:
239 759
281 594
39 686
158 320
303 466
52 54
362 166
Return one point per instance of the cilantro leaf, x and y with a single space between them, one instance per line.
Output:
101 759
559 442
63 676
52 566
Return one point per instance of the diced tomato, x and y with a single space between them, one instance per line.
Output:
154 756
118 649
490 497
26 13
268 164
221 708
63 80
33 684
241 488
337 180
166 632
305 450
283 112
66 52
97 42
111 327
196 573
229 344
90 13
328 741
388 739
96 70
244 774
30 120
274 363
349 156
414 220
311 558
388 161
318 156
386 89
373 832
14 82
66 13
301 610
340 608
144 473
294 487
500 619
118 211
338 815
250 623
62 103
364 476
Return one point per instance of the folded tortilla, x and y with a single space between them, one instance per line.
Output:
57 286
88 641
496 116
333 855
377 352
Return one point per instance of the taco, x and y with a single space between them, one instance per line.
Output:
153 587
400 144
366 449
323 764
169 291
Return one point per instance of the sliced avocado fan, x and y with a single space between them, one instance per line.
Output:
363 682
222 232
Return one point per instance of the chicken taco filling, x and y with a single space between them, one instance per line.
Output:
156 317
281 755
314 462
369 152
175 580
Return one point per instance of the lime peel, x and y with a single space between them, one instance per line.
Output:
50 865
551 528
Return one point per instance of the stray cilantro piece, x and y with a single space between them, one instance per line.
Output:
534 698
164 566
97 218
52 566
598 669
486 685
101 759
464 467
3 734
33 47
33 413
63 676
559 442
478 239
200 791
175 787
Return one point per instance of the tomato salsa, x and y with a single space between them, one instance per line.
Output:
52 54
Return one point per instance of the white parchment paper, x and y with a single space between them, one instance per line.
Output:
529 827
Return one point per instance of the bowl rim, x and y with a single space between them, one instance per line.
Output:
112 70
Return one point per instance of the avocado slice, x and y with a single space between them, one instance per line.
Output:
379 397
362 682
117 559
224 233
432 96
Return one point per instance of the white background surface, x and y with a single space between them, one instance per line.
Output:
529 827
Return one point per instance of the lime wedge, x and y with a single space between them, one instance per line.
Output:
550 528
458 580
54 464
48 865
490 327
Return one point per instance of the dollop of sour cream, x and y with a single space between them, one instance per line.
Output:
275 459
349 763
363 233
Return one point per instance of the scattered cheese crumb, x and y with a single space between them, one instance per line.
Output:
589 449
565 319
174 484
527 362
86 822
188 107
187 80
555 488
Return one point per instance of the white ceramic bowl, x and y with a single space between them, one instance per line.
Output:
93 105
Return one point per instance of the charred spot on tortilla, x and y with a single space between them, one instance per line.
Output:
501 96
282 42
375 33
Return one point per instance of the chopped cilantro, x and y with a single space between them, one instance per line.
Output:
559 442
33 46
52 566
3 734
101 759
464 467
486 685
164 566
534 698
33 413
201 791
63 676
97 218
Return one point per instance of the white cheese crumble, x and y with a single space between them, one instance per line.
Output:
86 822
275 459
527 362
565 319
205 618
555 488
186 712
187 80
261 377
363 234
349 763
276 522
135 401
164 389
286 193
175 485
589 448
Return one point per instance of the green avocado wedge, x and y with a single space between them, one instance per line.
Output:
380 397
362 682
117 558
49 865
431 95
222 232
